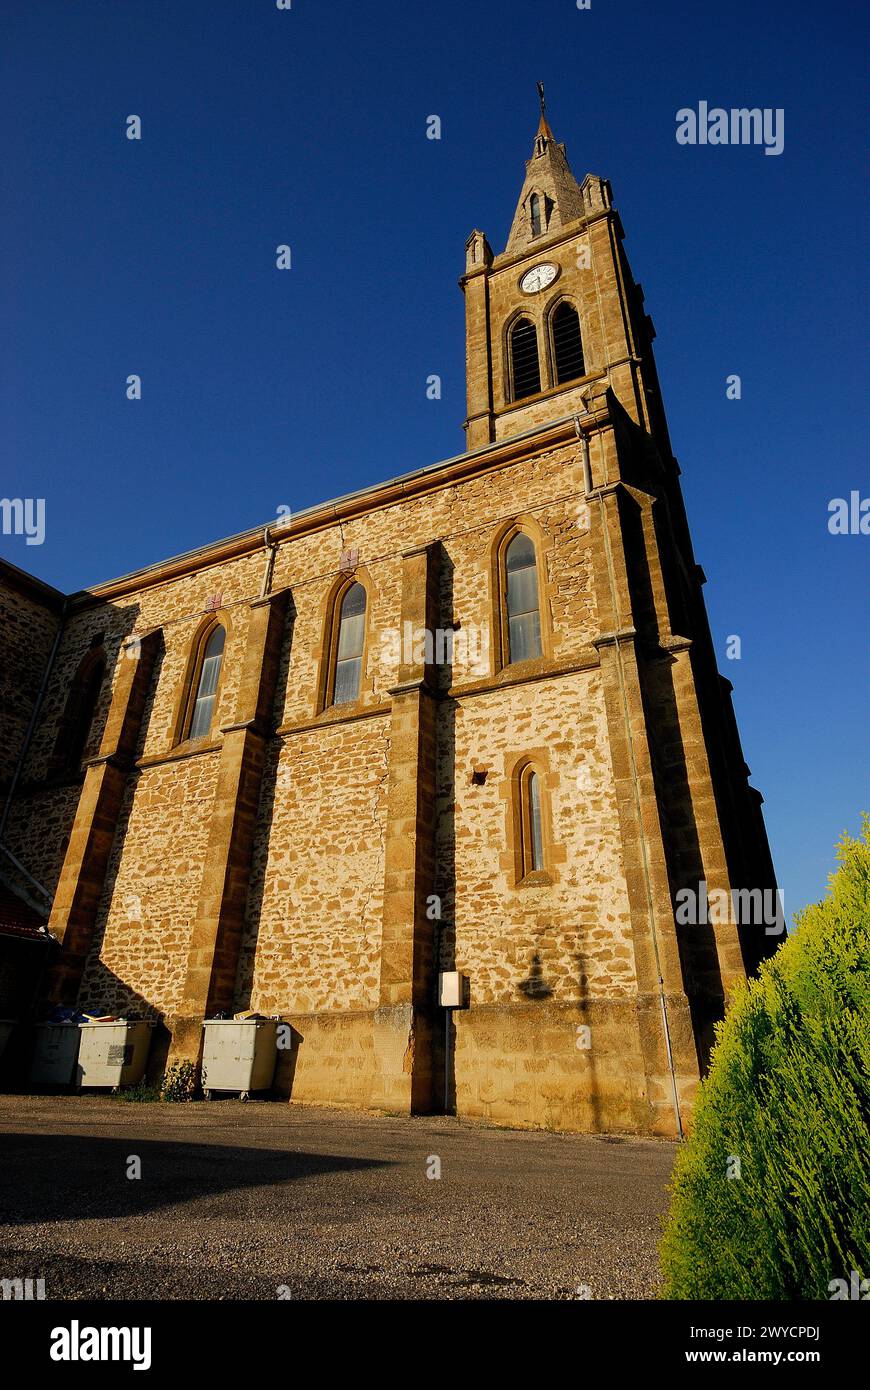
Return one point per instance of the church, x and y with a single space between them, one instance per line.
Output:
421 770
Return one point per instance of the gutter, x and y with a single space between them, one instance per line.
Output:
270 547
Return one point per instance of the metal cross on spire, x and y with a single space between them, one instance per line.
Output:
542 99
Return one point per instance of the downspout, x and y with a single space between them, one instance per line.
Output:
270 547
587 483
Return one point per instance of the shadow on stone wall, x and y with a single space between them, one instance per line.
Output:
535 985
585 1020
260 860
285 1070
699 956
444 1033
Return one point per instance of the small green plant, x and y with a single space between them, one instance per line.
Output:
140 1094
771 1194
178 1085
179 1082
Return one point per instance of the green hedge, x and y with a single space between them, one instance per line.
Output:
788 1096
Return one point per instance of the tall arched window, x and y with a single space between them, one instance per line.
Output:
567 344
78 715
535 211
347 674
521 600
525 367
202 705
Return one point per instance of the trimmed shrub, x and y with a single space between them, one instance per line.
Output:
771 1193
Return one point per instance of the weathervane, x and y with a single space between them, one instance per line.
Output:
541 96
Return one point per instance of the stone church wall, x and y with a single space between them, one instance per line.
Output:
321 864
28 625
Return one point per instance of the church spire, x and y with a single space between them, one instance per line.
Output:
550 197
544 135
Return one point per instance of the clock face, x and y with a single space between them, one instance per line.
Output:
539 277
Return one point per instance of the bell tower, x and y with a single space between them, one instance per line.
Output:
558 311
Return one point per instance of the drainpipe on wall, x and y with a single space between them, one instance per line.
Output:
588 485
270 547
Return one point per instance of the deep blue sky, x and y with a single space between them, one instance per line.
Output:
264 389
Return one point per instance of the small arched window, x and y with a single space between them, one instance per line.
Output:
535 211
525 367
521 600
529 824
347 674
535 856
203 702
78 716
567 343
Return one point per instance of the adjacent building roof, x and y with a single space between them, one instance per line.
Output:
17 918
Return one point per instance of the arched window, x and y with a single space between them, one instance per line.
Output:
535 211
204 689
347 673
535 848
78 715
529 823
567 344
525 368
521 600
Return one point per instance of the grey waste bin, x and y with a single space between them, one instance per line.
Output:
239 1054
113 1054
55 1054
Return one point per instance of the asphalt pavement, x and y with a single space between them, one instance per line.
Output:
105 1199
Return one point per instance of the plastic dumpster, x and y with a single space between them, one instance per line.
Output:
239 1055
55 1054
113 1054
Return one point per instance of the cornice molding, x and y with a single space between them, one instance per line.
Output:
31 587
488 459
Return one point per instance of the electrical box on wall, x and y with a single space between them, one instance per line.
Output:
452 989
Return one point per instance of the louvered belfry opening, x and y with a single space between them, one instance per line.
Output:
524 359
567 344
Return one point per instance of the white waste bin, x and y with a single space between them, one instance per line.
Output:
239 1054
55 1053
113 1054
